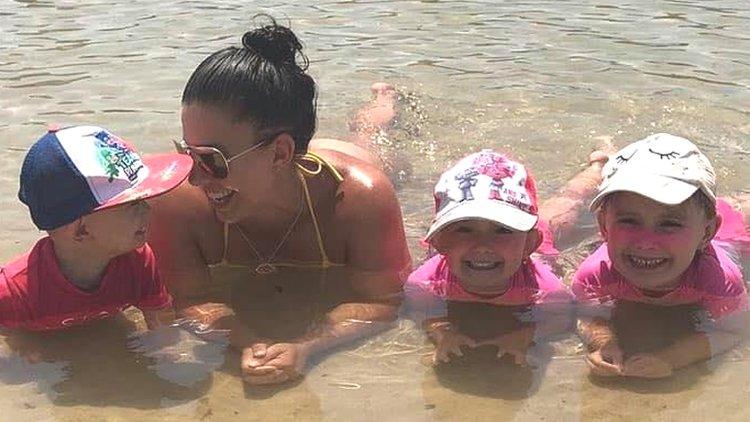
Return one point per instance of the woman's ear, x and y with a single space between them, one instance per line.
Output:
533 240
284 149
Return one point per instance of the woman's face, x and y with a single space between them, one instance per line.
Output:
247 183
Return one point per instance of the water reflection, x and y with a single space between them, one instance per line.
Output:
100 370
182 353
539 79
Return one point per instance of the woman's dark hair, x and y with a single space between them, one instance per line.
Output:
260 82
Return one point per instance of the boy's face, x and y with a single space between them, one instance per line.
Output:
652 244
119 229
484 255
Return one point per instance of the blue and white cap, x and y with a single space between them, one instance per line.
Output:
74 171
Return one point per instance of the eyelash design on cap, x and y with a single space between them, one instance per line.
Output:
620 159
668 156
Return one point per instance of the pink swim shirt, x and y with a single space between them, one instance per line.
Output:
713 280
533 283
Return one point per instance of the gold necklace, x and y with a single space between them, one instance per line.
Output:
265 266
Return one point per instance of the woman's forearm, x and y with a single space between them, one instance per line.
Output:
346 323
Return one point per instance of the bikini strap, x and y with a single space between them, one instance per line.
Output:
321 163
326 263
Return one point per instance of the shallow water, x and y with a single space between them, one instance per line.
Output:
541 79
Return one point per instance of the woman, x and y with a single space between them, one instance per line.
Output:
261 198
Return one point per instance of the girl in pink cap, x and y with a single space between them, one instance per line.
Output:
668 246
487 226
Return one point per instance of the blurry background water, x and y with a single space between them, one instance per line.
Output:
540 79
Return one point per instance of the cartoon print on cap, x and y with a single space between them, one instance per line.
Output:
498 168
467 179
115 155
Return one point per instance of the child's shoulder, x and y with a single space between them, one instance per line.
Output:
716 273
430 269
40 255
596 267
542 275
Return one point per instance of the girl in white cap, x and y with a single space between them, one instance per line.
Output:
484 287
665 248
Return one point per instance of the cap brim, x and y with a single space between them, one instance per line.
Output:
166 172
662 189
491 210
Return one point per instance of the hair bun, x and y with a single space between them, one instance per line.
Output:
274 43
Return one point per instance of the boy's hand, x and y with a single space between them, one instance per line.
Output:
647 365
274 364
448 341
158 318
606 361
209 315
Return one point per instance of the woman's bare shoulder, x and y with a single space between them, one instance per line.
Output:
364 180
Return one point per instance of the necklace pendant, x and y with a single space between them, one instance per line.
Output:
265 268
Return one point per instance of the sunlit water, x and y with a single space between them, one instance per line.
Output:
540 79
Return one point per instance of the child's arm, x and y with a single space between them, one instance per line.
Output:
693 348
604 355
683 352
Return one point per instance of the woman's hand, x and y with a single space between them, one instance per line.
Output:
606 361
647 365
273 364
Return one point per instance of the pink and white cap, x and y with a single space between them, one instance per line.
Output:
488 186
665 168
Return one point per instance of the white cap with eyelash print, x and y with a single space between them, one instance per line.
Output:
663 167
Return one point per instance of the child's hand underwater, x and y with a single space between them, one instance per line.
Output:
449 341
606 361
511 344
647 365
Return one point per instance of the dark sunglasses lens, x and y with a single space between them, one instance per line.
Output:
213 163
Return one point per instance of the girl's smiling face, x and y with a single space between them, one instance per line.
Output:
652 244
484 255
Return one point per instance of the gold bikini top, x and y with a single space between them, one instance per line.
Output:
302 172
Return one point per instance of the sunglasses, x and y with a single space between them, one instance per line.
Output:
211 160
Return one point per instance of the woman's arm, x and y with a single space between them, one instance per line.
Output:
377 261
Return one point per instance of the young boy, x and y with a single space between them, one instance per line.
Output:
87 188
